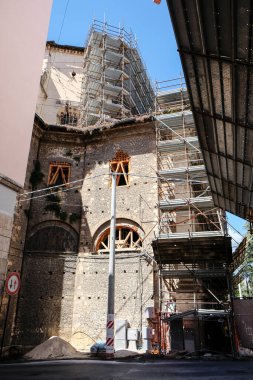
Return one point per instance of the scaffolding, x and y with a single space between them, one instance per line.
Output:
115 82
192 248
186 204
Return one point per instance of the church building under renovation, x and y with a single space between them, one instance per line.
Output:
97 113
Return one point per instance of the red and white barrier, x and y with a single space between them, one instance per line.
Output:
110 334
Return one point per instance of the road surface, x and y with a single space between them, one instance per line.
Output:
128 370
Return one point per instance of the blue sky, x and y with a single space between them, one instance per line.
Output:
150 23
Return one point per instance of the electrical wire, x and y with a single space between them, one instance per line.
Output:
63 189
58 186
100 175
51 193
63 20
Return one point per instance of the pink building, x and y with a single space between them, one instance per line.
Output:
23 32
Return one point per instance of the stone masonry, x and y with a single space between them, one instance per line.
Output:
64 277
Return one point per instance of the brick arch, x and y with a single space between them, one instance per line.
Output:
52 236
126 229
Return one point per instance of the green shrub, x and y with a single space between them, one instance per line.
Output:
63 215
53 207
36 175
74 217
53 198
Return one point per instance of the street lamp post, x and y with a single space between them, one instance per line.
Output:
111 274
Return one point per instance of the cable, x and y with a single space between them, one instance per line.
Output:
63 20
232 226
45 195
63 185
100 175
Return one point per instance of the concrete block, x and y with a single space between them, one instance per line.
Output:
121 329
120 344
132 345
146 345
132 334
147 333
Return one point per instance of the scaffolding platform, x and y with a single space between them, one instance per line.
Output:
191 248
202 202
115 82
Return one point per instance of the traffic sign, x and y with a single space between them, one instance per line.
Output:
12 283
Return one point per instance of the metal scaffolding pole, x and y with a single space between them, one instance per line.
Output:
111 273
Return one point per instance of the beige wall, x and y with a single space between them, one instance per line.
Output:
23 32
58 86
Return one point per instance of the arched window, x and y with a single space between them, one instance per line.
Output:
127 239
54 237
120 164
59 173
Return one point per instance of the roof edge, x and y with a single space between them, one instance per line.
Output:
53 44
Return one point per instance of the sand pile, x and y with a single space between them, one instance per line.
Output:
54 347
125 354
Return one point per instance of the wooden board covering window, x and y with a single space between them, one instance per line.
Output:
59 173
120 164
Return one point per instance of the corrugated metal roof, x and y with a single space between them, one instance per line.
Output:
215 40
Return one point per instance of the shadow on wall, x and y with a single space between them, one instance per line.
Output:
46 298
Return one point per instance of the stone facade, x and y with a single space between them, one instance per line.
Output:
64 275
136 206
61 82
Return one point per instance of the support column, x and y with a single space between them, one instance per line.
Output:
111 274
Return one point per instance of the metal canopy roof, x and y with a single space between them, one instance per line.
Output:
215 40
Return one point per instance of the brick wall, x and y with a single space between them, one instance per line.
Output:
65 293
133 293
16 243
135 206
136 202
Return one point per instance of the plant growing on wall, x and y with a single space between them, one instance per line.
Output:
53 198
63 215
74 217
245 269
68 153
54 204
53 207
36 175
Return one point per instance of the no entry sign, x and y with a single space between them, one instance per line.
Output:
12 283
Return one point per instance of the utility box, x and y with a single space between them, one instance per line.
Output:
150 312
132 334
147 333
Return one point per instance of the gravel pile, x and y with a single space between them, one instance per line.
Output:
54 347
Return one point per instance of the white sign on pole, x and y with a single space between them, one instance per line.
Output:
12 283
